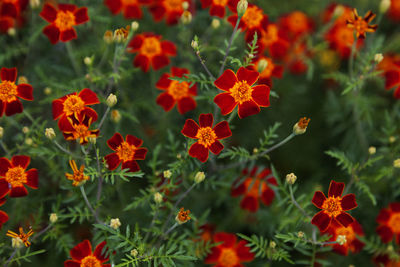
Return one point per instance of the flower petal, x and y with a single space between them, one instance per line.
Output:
112 161
133 140
248 108
190 128
20 160
115 141
250 76
4 188
3 218
52 32
131 165
14 107
249 203
228 240
5 164
267 196
243 251
164 81
24 91
159 61
345 219
49 13
216 147
199 151
260 95
142 61
8 74
214 255
335 189
71 263
395 206
186 104
114 6
133 12
349 202
392 79
98 252
225 102
385 233
32 178
166 101
226 81
140 154
81 250
179 72
222 130
81 15
89 97
206 120
218 11
57 108
321 220
318 199
18 191
68 35
168 48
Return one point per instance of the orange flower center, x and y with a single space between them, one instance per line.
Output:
394 222
220 2
151 47
270 36
206 136
175 5
360 25
178 89
332 206
65 20
129 2
126 151
73 105
253 186
241 91
228 258
8 90
252 17
298 22
90 261
16 176
82 132
348 232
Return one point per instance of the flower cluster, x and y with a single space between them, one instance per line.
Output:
12 15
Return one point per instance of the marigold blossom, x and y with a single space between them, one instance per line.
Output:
361 25
207 137
267 69
254 187
394 10
229 252
131 9
13 176
11 14
296 24
78 129
3 216
389 223
239 90
176 92
333 207
151 51
77 177
182 216
62 19
126 152
351 233
22 236
172 10
217 7
274 39
391 67
83 256
10 92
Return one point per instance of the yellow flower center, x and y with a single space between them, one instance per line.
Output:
332 206
8 90
220 2
178 89
298 21
253 17
394 222
64 20
90 261
82 132
360 25
228 258
126 151
206 136
175 5
270 36
241 91
151 47
16 176
73 105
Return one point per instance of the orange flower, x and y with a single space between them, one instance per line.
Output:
273 39
62 20
394 10
130 8
230 252
333 207
361 25
10 92
74 129
239 90
22 236
296 24
295 58
217 7
254 187
13 176
78 177
182 216
389 223
172 10
176 92
351 232
83 256
267 69
151 51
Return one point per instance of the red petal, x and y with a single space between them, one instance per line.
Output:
159 61
8 10
396 93
248 108
81 250
8 74
318 199
136 43
226 81
199 151
218 11
5 164
133 140
98 252
206 120
114 5
58 108
205 3
89 97
225 102
216 147
1 108
53 33
222 130
115 141
384 216
157 12
321 220
190 128
278 49
260 95
385 233
168 48
335 189
67 7
395 206
24 91
166 101
249 203
68 35
243 251
357 245
65 125
21 160
3 218
267 196
140 153
131 165
112 161
4 188
19 191
239 190
228 240
186 104
164 81
32 178
349 202
49 13
345 219
250 76
178 72
14 107
71 263
264 173
133 12
277 71
81 15
142 61
213 257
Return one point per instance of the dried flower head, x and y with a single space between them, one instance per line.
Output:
50 134
301 126
22 236
167 174
378 58
361 25
183 216
121 34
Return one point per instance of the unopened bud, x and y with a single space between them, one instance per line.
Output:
390 248
195 45
167 174
34 3
186 17
392 139
185 5
29 141
262 65
341 239
111 100
272 244
115 115
134 253
255 150
372 150
300 234
88 61
338 11
1 132
121 34
396 163
242 7
53 218
22 79
301 126
199 177
378 57
47 90
25 130
291 178
215 23
49 133
115 223
384 6
92 140
12 32
108 37
158 198
134 25
178 156
16 242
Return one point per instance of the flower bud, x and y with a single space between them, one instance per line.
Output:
115 223
182 216
392 139
121 34
22 79
16 242
158 198
262 65
291 178
92 140
115 116
47 91
178 156
167 174
378 58
111 100
300 234
199 177
338 11
134 25
25 130
12 32
1 132
134 253
34 3
185 5
272 244
255 150
384 6
88 61
108 37
186 17
396 163
341 239
195 45
29 141
215 23
53 217
50 134
372 150
301 126
242 7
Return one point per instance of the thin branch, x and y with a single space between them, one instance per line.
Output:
202 62
89 205
229 45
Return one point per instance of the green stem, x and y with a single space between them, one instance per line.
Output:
229 45
89 205
72 58
297 204
313 256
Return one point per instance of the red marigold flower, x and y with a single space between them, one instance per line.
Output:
295 58
151 51
172 10
230 252
208 137
394 10
82 255
9 92
130 8
267 69
389 223
176 92
75 105
392 75
11 14
333 207
361 25
126 152
13 176
351 233
273 39
385 260
254 187
74 129
239 90
3 216
62 20
296 24
217 7
207 232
